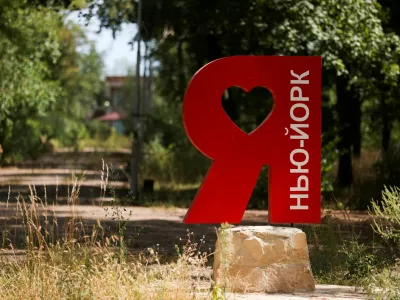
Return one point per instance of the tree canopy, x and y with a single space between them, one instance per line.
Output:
40 71
360 56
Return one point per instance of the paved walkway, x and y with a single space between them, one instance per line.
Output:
335 292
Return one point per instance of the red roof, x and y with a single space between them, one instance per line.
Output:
115 78
114 116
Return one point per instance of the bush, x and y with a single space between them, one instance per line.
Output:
106 139
387 215
359 261
64 131
173 164
22 140
339 255
386 283
158 161
99 130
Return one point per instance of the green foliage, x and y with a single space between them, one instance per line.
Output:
169 152
99 138
168 163
350 36
99 130
218 293
261 27
387 215
158 161
329 157
328 28
226 254
340 254
78 73
324 255
27 48
47 86
67 131
32 143
384 285
359 261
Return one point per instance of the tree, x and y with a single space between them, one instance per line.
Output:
27 89
42 74
349 35
79 71
79 75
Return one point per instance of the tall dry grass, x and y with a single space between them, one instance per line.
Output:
68 261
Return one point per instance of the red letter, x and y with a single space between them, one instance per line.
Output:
238 157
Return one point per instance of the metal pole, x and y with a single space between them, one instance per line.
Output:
136 139
142 105
144 90
150 86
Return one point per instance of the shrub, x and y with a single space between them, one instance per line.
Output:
385 284
359 261
106 139
387 215
158 161
22 140
99 129
339 256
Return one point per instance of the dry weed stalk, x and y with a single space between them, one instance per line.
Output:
71 263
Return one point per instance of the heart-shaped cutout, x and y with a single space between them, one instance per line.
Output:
247 110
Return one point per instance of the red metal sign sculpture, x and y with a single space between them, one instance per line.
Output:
288 141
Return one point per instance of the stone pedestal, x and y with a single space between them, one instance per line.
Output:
263 259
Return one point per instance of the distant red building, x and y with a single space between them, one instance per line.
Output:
115 112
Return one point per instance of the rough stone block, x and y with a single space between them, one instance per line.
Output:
263 259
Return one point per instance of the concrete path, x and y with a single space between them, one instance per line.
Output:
335 292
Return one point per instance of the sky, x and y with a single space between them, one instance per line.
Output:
118 55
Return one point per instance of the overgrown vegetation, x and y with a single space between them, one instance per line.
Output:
384 284
74 261
363 255
56 258
50 79
51 85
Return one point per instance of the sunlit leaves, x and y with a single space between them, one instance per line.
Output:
25 46
40 72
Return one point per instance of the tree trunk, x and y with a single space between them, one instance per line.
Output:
3 132
356 126
181 71
345 171
386 125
